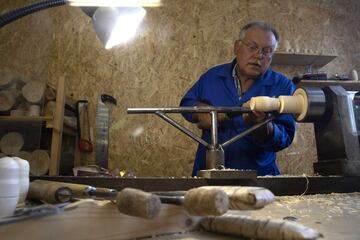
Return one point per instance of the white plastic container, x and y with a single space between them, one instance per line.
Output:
24 170
9 186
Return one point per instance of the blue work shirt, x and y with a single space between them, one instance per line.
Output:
216 87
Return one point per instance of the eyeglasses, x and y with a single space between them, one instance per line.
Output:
267 52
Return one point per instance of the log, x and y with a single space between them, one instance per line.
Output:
33 91
7 100
49 108
11 143
24 155
39 162
34 110
6 78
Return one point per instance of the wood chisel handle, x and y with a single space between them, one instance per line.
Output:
258 228
48 192
138 203
204 202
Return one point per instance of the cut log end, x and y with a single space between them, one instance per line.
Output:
11 143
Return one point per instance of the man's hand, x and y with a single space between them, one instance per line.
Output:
263 133
254 117
204 119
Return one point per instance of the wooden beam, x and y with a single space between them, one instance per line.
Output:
57 128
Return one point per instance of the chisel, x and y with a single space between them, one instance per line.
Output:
135 202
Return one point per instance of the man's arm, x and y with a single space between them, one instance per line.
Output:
193 97
278 134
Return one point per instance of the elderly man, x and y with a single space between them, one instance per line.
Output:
233 84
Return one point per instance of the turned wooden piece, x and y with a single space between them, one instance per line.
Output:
11 143
33 91
291 104
264 104
39 162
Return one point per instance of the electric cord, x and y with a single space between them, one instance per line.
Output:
27 10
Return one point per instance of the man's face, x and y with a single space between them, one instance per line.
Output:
251 61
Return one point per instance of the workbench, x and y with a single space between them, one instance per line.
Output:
335 215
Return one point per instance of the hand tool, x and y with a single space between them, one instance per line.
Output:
240 197
48 192
102 130
135 202
41 189
270 229
83 126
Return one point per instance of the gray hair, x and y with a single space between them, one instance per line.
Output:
262 25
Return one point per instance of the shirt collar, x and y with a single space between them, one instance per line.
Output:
228 71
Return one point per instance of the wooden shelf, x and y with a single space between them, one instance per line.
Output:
25 119
301 59
348 85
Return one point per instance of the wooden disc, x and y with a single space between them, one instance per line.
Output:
7 100
33 91
39 162
11 143
6 77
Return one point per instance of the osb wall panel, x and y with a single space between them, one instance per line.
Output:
174 45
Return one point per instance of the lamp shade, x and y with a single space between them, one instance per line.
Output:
114 26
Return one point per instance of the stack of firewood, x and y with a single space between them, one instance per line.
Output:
19 97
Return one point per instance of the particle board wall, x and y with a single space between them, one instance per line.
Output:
174 45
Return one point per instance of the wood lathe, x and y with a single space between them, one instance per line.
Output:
332 112
330 109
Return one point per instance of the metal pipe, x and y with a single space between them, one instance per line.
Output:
246 132
231 110
183 129
214 130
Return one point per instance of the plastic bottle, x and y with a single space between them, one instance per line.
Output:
9 186
24 170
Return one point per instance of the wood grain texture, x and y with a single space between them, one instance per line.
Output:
39 162
90 219
11 143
